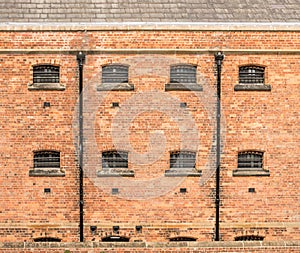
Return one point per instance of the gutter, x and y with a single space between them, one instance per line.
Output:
148 26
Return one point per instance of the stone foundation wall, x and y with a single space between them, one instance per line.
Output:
183 247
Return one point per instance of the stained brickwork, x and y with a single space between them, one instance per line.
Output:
149 123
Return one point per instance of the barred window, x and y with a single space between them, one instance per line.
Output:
182 239
47 239
115 73
115 238
250 159
182 159
115 159
46 159
249 238
251 75
45 74
183 74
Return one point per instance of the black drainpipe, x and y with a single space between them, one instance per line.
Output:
218 59
80 60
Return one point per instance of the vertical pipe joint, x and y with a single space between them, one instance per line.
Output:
219 57
80 58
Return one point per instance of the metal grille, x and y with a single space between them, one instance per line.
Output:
183 74
114 159
115 74
252 74
182 159
115 238
47 239
45 74
249 238
182 239
250 159
47 159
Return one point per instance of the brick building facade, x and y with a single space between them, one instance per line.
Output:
145 129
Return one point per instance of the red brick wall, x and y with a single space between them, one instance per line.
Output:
266 121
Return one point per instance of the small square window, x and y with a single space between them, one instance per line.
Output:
115 77
249 238
45 74
182 163
250 160
115 163
252 78
46 77
115 73
183 77
114 159
46 163
252 74
250 163
182 159
183 74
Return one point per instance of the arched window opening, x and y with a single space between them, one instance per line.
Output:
115 73
251 75
182 159
46 159
182 239
250 160
114 159
249 238
45 74
115 239
47 239
183 73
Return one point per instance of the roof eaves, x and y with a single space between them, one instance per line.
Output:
167 26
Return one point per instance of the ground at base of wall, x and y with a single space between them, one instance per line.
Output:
185 247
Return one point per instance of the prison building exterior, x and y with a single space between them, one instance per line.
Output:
149 121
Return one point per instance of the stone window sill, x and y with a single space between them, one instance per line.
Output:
46 86
250 172
113 172
252 87
183 87
115 87
47 172
183 172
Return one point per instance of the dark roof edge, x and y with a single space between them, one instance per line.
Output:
152 26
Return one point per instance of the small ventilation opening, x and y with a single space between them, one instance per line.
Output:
115 239
249 238
47 239
182 239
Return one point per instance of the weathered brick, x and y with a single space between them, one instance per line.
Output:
267 121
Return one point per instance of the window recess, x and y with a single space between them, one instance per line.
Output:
250 163
115 78
183 77
183 239
252 78
47 239
46 77
46 163
182 163
115 163
115 238
249 238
